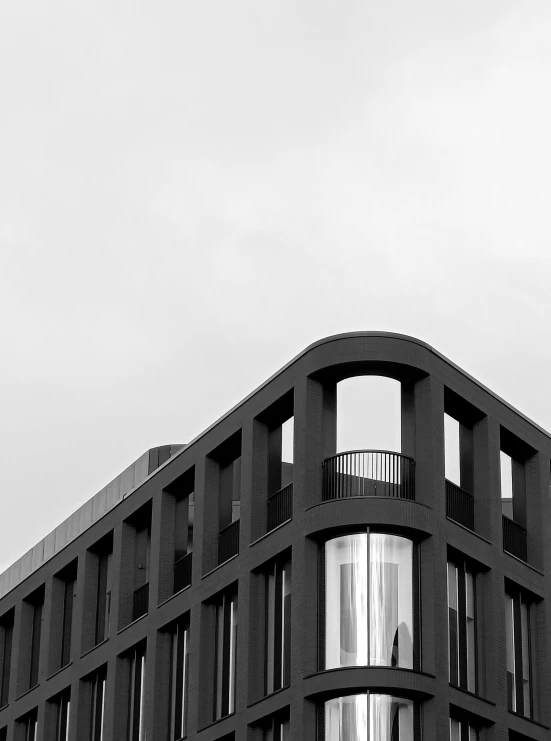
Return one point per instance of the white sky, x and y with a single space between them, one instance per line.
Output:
192 192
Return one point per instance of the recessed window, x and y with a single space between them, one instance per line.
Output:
462 624
369 596
58 710
6 637
278 581
225 648
462 730
368 716
95 706
518 628
26 727
179 679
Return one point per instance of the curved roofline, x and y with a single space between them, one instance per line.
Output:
351 335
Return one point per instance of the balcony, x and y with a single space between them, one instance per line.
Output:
368 473
515 539
280 507
182 572
140 602
228 542
459 505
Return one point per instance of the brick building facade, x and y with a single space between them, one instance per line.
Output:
229 592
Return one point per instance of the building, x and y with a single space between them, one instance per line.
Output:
227 591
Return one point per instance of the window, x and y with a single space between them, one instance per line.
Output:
278 582
4 733
276 727
462 625
369 601
33 628
179 679
368 717
518 650
136 666
62 706
462 730
6 636
103 597
225 654
97 704
27 727
63 589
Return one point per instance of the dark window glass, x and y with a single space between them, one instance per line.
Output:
225 654
135 695
103 598
462 730
67 621
462 625
179 677
3 733
97 704
278 626
62 708
277 727
36 631
518 650
29 726
6 635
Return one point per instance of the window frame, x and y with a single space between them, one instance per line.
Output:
464 566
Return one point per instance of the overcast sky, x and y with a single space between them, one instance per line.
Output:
193 191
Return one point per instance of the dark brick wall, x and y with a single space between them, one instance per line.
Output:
311 382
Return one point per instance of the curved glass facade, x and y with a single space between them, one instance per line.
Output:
369 601
369 717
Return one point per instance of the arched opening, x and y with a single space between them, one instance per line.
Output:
369 414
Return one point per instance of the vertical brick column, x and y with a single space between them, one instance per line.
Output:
45 633
18 638
79 610
430 489
151 689
537 496
53 638
85 607
158 651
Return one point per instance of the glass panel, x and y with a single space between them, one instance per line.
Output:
471 644
219 659
391 718
346 718
233 649
286 623
510 651
473 734
270 630
391 601
346 601
453 644
451 452
525 634
455 730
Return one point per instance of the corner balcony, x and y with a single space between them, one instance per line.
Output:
368 473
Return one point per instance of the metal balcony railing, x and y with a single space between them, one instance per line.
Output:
228 541
368 473
140 603
515 539
280 507
182 572
459 505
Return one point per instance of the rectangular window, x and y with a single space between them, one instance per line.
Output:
462 625
67 621
103 597
27 726
278 582
36 633
277 727
6 636
135 725
62 705
225 654
518 649
4 733
179 679
462 730
97 704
